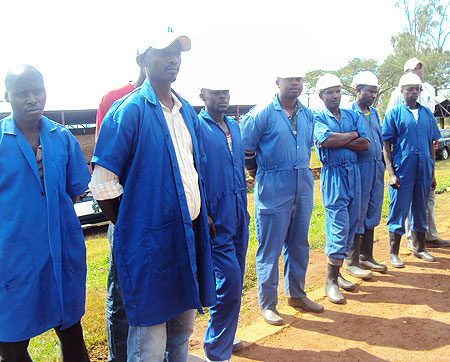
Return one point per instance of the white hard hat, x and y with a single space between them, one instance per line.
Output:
326 81
365 78
291 73
411 64
410 79
164 40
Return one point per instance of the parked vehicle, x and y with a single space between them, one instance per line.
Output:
443 148
88 211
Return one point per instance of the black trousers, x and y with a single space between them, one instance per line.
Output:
71 343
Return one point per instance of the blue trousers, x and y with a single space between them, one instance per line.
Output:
229 251
116 319
166 342
341 197
414 173
372 193
284 229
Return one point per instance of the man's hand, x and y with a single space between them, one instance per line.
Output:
394 182
318 144
433 184
248 215
212 228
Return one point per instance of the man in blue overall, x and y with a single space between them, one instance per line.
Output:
409 130
147 180
339 136
427 99
371 168
42 251
226 192
277 139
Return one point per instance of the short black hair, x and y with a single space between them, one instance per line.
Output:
19 71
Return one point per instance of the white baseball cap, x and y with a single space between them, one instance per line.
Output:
411 64
326 81
365 78
410 79
164 40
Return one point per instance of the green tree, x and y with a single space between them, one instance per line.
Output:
424 37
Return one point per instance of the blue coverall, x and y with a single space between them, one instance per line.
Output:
42 250
226 194
283 197
371 167
340 180
413 165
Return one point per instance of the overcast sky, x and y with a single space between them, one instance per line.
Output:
86 48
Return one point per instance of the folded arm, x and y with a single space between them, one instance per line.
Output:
338 140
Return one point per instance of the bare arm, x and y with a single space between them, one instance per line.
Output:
250 163
359 144
433 156
338 140
110 208
394 182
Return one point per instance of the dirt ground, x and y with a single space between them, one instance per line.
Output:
402 315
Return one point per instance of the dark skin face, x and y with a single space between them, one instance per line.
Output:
290 88
331 97
216 101
161 65
411 94
366 95
418 70
26 94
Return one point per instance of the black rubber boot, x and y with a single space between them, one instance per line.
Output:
331 286
345 284
352 261
366 259
419 250
394 240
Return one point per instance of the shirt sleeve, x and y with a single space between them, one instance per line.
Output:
116 140
360 126
388 129
436 134
252 129
396 99
105 185
321 129
77 171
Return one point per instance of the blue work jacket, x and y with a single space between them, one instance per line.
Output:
373 130
325 125
223 171
42 251
164 268
411 140
279 153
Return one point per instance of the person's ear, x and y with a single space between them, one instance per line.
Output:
141 60
6 96
202 97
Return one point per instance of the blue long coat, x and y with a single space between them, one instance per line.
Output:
164 268
42 251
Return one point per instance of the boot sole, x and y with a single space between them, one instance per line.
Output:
398 266
366 277
374 269
424 258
